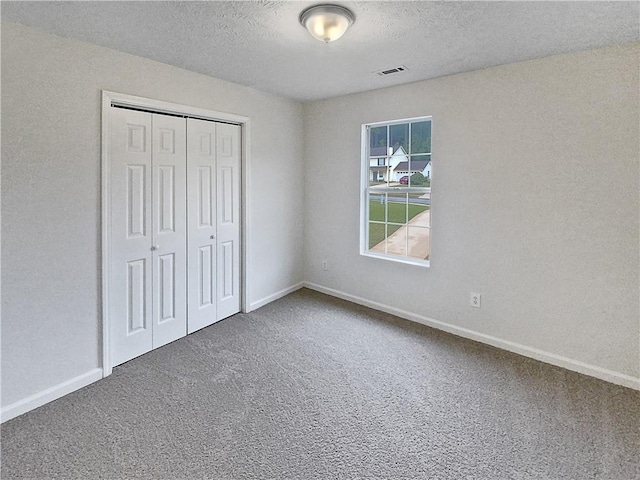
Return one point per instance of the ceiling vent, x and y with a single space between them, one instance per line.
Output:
391 71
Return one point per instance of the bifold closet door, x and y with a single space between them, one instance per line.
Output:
228 218
129 281
147 278
213 183
201 201
169 209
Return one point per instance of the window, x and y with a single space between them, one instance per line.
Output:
396 190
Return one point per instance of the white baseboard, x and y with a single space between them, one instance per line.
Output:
49 395
275 296
541 355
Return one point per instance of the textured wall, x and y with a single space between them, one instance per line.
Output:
535 203
51 114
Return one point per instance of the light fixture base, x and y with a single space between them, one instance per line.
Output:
327 22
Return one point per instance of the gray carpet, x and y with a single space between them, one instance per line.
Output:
310 387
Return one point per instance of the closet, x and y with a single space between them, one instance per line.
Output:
174 228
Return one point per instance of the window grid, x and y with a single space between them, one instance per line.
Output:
408 193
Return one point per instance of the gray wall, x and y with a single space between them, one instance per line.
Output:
535 204
51 242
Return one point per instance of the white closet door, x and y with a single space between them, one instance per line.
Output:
169 228
228 219
130 295
162 242
201 187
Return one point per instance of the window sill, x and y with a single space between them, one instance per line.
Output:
393 258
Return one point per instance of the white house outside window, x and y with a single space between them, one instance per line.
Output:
396 190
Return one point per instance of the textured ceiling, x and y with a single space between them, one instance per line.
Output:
261 44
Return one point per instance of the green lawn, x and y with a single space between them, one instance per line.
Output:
397 211
397 214
376 233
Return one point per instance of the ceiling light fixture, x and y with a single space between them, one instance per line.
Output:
327 22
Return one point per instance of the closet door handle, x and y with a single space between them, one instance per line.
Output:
213 237
155 247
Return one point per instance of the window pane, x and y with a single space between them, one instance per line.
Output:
418 205
399 137
378 141
397 208
377 176
421 137
377 205
418 242
420 171
399 163
397 240
376 237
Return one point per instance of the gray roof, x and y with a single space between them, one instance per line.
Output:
416 165
382 151
378 152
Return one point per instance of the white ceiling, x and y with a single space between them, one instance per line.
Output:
261 44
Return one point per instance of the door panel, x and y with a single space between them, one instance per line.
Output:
130 306
137 295
167 288
228 216
226 260
201 182
206 281
169 228
226 195
167 187
205 196
135 207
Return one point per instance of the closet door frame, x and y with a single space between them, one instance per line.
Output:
110 99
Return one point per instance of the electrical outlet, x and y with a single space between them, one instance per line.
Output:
474 300
325 265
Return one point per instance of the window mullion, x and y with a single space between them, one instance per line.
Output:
386 223
406 220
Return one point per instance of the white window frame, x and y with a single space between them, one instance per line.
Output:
365 188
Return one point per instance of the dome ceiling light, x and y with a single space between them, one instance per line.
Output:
327 23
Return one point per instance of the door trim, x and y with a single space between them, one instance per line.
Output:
110 99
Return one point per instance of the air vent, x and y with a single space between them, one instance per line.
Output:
391 71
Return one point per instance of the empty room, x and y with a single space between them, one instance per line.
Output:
303 240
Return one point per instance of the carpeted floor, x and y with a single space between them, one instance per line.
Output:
311 387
